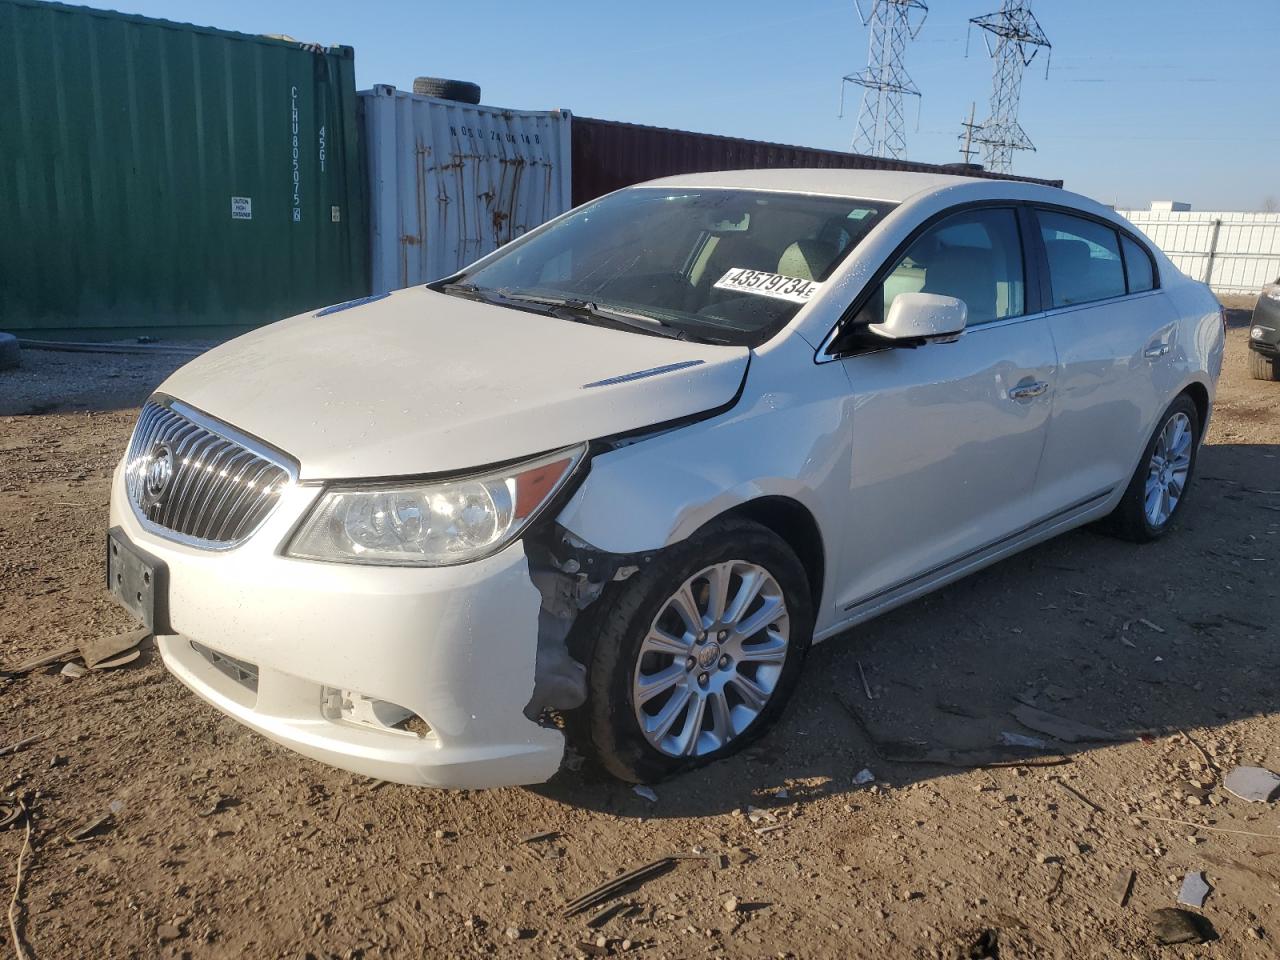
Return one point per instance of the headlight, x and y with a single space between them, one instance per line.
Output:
1257 333
431 524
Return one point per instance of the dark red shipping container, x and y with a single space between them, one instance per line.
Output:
609 155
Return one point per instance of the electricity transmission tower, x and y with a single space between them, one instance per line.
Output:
885 82
1013 38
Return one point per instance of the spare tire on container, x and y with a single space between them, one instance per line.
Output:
460 90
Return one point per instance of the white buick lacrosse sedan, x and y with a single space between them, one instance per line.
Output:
616 477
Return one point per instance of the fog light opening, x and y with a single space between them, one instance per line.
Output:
350 706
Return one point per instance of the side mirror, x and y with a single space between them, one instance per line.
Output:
916 318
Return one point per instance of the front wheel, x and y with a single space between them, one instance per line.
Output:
1262 367
1159 485
695 655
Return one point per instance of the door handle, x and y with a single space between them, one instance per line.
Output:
1028 390
1157 350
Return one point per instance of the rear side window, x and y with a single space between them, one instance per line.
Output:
1137 266
1084 259
975 256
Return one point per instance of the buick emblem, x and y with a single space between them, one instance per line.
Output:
158 473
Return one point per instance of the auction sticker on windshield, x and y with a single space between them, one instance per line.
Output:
768 284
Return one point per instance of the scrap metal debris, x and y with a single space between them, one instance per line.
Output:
611 911
73 670
1060 728
44 660
1122 886
1171 925
1194 890
1255 784
90 829
98 654
865 686
1077 794
118 661
646 792
102 651
625 882
539 837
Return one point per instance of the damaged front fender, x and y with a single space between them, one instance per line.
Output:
570 574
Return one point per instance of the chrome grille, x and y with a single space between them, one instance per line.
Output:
198 481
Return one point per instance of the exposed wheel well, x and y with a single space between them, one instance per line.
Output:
1200 397
793 522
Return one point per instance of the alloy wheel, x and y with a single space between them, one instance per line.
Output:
712 659
1168 469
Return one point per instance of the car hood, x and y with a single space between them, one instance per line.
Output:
420 382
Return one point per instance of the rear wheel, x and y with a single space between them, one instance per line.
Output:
696 654
1262 367
1159 485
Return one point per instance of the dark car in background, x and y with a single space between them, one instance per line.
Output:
1264 335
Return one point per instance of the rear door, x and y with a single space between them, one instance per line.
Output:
1116 339
947 438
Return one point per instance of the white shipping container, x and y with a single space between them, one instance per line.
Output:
450 182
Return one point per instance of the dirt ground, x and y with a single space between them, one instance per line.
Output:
221 844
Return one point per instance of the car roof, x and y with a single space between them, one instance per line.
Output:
891 186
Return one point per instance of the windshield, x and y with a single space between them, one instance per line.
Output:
725 266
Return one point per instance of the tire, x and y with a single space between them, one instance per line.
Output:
1263 367
616 626
1131 520
460 90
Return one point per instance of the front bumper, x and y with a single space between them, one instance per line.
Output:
454 645
1266 319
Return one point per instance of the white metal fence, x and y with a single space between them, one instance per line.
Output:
1232 252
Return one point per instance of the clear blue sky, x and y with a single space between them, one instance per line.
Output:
1145 99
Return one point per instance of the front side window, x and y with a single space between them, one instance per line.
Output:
665 253
975 256
1084 258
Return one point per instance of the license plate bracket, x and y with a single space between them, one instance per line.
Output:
139 581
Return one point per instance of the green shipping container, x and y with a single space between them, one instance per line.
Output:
162 178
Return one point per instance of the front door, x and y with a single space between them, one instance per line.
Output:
947 438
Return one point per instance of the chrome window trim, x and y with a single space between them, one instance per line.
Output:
823 356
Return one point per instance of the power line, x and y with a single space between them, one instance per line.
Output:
885 81
1013 38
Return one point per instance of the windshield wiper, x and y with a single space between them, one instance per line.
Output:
470 290
589 308
578 309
